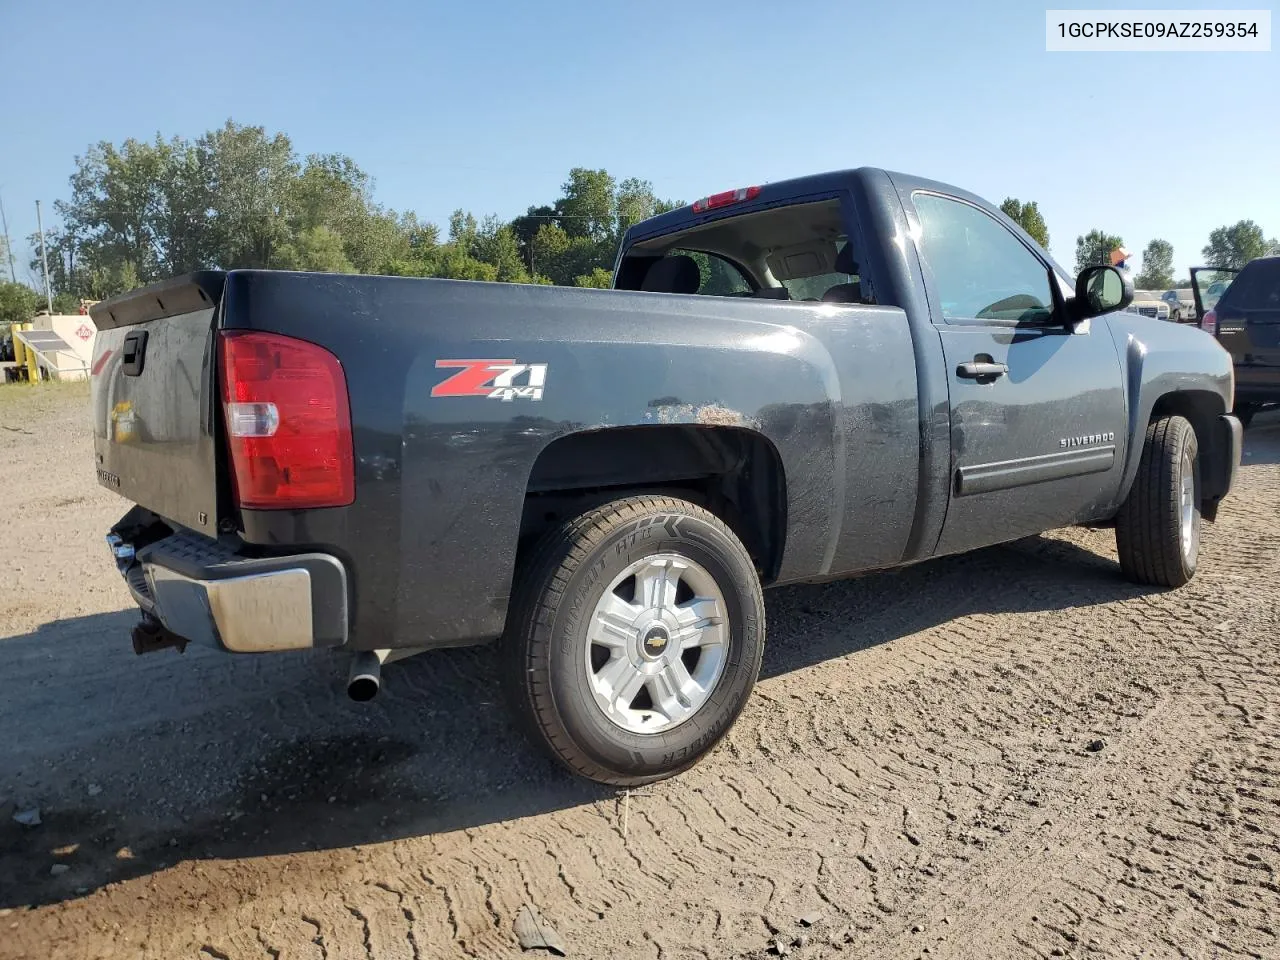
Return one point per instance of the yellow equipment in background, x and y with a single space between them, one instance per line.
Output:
22 355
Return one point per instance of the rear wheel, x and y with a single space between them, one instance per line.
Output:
636 636
1158 526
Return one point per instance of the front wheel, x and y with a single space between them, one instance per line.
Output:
635 638
1158 526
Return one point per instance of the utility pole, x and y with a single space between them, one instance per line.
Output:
8 248
44 260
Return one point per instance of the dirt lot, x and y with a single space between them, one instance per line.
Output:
1009 754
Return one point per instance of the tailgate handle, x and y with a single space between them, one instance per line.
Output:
135 352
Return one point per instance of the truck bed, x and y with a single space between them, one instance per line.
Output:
442 472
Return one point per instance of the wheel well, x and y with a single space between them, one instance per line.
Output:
732 472
1201 408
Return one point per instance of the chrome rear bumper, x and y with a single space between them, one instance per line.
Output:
206 594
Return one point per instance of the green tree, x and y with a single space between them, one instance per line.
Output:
104 282
236 197
1027 215
239 196
453 263
1094 249
527 225
333 192
18 302
183 218
117 211
414 245
60 252
1157 266
496 243
599 278
634 201
548 248
1236 245
316 249
586 206
252 176
66 303
464 230
78 272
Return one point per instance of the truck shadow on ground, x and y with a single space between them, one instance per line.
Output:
138 764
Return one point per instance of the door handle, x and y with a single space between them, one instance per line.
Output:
134 354
981 370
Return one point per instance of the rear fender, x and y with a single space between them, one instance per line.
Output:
468 457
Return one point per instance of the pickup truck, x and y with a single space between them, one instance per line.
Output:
793 382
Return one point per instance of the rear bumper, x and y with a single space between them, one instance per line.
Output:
1219 473
207 594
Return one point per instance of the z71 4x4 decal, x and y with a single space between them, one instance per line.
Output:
495 379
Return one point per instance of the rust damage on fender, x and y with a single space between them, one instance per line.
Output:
709 414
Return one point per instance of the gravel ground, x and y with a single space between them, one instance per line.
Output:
1008 754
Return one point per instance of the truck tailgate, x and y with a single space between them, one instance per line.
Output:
154 400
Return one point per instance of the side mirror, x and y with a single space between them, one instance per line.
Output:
1101 290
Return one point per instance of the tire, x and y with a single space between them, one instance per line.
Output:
569 596
1157 530
1244 412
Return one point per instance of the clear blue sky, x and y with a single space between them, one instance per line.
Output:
486 104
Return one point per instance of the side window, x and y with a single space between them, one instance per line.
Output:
717 277
980 269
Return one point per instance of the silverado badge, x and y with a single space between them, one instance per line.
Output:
1088 440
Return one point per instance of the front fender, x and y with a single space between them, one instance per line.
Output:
1171 367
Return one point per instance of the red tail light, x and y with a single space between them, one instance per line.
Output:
1209 323
728 198
288 422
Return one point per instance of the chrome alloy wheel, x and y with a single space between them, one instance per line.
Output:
657 643
1187 504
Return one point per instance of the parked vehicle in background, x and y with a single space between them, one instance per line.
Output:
1147 306
344 462
1182 306
1241 308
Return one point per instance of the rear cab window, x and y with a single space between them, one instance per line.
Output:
798 251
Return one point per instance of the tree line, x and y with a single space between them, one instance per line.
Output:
1229 247
239 197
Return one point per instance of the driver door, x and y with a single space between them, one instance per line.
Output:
1037 409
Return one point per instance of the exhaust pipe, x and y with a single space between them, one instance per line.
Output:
365 679
150 635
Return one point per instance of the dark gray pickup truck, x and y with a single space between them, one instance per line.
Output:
795 382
